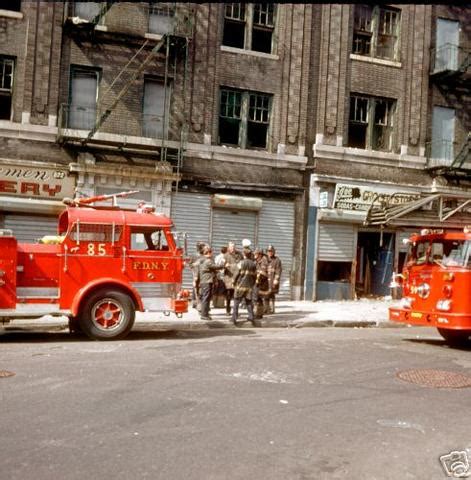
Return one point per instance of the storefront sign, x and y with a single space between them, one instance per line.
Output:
360 198
40 182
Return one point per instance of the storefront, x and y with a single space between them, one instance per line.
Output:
345 258
217 219
31 196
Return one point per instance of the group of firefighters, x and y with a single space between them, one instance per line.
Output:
244 277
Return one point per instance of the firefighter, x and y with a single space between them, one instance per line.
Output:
232 258
244 282
274 275
207 270
261 288
194 266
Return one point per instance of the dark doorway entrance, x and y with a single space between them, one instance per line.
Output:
375 262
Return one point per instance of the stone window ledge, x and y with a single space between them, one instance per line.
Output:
252 53
377 61
10 14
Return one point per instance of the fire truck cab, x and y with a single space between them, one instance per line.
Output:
436 284
104 264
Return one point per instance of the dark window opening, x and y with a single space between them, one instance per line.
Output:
229 131
5 106
256 135
13 5
261 40
357 135
233 34
334 271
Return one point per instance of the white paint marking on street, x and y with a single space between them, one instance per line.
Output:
400 424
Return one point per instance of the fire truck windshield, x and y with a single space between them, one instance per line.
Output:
446 253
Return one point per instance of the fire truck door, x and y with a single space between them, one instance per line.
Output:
8 259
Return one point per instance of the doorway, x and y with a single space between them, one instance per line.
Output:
375 263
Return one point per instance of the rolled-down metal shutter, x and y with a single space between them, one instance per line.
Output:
191 213
232 225
336 242
276 227
30 228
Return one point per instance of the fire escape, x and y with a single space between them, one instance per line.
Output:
162 137
450 72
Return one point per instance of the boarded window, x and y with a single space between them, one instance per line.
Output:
87 10
83 98
154 118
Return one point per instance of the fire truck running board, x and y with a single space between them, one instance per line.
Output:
32 311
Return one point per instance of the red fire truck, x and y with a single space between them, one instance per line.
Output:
436 284
104 264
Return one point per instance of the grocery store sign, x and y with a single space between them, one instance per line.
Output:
360 198
39 182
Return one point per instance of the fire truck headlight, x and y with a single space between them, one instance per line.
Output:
444 305
406 302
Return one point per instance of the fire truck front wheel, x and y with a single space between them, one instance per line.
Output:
455 337
107 315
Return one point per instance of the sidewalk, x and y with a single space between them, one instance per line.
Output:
289 314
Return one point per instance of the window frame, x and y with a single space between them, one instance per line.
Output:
244 116
7 92
250 24
169 8
377 14
370 122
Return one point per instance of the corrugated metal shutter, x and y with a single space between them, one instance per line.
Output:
229 225
191 213
30 228
276 227
336 242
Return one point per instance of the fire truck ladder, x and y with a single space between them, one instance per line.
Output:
447 205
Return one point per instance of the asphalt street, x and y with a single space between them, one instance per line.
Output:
318 403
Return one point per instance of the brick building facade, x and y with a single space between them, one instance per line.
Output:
239 120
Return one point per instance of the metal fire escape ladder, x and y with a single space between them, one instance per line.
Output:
126 87
463 156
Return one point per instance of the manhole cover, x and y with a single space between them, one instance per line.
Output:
435 378
6 373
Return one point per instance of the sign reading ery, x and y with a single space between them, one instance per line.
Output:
42 182
360 198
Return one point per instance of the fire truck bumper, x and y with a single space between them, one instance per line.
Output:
431 319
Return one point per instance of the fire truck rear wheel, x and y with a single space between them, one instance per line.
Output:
107 315
455 337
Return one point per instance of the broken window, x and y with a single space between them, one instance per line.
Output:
12 5
161 17
371 123
376 31
249 26
6 87
334 271
244 118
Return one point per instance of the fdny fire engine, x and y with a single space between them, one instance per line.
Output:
104 264
436 284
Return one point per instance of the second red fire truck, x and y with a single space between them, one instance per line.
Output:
104 264
436 284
